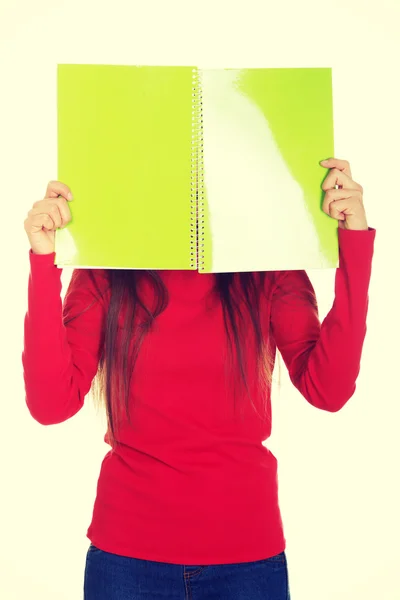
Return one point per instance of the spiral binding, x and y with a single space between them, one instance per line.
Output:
197 177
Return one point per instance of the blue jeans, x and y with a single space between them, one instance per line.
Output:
113 577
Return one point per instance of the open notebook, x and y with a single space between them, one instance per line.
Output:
151 152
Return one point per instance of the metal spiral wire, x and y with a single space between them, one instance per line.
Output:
197 177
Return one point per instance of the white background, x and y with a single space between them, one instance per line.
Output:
339 473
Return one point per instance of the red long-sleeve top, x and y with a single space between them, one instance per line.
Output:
190 481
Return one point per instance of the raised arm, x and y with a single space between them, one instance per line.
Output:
62 343
323 360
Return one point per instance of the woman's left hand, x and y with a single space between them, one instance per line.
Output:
346 203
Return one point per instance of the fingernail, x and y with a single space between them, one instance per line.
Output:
70 196
324 161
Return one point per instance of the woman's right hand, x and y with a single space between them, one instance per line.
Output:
46 216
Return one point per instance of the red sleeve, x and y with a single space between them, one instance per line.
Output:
62 342
323 361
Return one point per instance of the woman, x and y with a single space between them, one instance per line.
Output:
187 497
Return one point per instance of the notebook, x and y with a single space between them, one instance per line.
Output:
215 170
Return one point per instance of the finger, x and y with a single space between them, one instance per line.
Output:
336 200
64 210
60 202
36 223
56 188
337 163
48 208
337 177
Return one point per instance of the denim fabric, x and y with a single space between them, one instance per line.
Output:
113 577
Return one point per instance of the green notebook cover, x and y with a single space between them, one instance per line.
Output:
143 147
125 149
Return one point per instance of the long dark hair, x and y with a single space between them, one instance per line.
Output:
240 295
